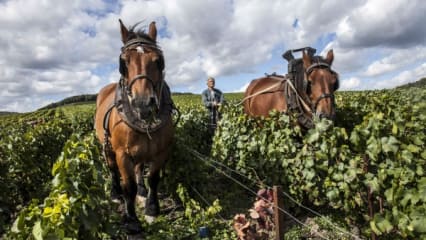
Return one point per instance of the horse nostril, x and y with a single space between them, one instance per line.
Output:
152 101
322 115
327 116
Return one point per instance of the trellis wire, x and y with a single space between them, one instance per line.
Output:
202 157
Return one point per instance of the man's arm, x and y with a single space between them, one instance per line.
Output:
220 95
221 98
205 100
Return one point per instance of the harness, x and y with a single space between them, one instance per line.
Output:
123 93
295 86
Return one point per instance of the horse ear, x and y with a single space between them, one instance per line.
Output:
124 32
330 57
152 31
306 59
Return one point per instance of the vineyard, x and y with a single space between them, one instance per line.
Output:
363 175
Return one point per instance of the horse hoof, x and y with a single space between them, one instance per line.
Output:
149 219
151 210
135 237
142 191
116 200
140 200
133 228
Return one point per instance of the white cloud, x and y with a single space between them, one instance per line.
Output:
396 60
352 83
55 52
243 88
379 23
402 78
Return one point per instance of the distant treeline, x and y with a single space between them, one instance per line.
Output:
87 98
92 97
7 113
72 100
419 84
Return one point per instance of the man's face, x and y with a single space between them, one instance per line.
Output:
210 83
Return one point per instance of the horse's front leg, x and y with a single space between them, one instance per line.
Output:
152 206
139 171
129 187
116 191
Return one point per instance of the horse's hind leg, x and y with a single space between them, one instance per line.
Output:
129 187
139 171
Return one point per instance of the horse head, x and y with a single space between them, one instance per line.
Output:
141 68
322 82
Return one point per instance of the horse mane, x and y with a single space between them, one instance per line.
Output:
139 33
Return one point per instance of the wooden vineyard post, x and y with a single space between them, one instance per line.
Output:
278 213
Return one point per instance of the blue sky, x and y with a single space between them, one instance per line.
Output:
49 53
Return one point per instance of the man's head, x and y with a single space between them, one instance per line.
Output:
210 82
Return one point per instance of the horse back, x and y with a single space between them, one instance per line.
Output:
263 95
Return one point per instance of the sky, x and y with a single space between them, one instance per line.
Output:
53 49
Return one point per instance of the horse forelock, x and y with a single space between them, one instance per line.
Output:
140 37
143 36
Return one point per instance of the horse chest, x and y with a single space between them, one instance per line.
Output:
142 147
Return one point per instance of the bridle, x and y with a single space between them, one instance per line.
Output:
308 72
127 88
123 94
139 44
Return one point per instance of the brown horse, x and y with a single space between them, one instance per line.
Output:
133 122
307 91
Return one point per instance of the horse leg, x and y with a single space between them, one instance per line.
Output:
142 191
129 187
152 206
116 191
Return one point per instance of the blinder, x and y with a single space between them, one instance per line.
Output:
122 67
336 84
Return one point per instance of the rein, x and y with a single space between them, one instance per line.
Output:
305 106
262 91
302 106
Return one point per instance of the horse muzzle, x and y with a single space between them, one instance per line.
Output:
329 116
145 107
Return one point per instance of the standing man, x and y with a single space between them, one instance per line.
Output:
212 98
